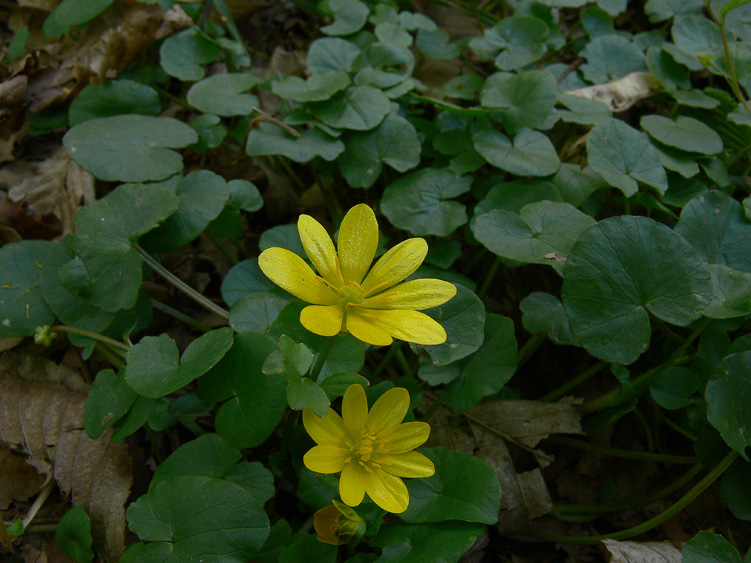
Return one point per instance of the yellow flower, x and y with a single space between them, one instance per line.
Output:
338 524
373 309
371 449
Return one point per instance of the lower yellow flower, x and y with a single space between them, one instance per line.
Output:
338 524
372 448
374 308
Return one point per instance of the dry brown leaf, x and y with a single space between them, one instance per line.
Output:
41 414
623 93
18 480
57 185
647 552
526 423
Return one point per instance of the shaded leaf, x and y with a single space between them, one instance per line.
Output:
531 154
268 139
222 94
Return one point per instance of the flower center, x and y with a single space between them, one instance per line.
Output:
352 293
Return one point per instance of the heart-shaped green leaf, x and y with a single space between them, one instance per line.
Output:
114 97
223 94
526 98
728 398
685 133
268 139
531 153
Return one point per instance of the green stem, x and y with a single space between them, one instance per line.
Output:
40 529
387 358
402 361
682 431
222 247
631 504
322 357
526 351
437 402
682 503
489 278
110 355
156 451
192 426
731 67
111 342
572 383
180 316
182 286
617 452
621 394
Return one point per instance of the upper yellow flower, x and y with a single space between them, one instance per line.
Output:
371 449
373 310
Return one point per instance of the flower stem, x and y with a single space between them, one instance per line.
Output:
572 383
489 278
182 286
180 316
617 452
322 357
120 347
223 248
621 394
111 357
402 361
682 503
627 505
387 357
526 351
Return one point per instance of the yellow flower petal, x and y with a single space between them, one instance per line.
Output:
358 240
290 272
411 326
389 410
415 295
320 249
352 483
354 409
395 265
326 431
365 331
326 458
325 320
404 437
387 491
407 464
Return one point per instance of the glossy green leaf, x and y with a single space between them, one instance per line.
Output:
512 196
108 270
210 132
316 88
544 313
291 361
441 542
714 224
463 317
676 160
393 142
436 44
245 194
610 57
336 384
671 74
421 202
623 269
183 55
109 400
696 35
268 139
256 402
731 293
198 518
245 278
736 489
137 415
224 94
257 311
306 547
515 42
73 535
542 233
331 54
306 394
129 148
706 547
75 12
114 97
463 488
526 98
728 396
576 184
661 10
349 16
684 133
583 111
531 154
202 197
486 371
22 305
673 388
155 369
358 107
623 156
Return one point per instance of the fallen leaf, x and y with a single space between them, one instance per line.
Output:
647 552
41 415
623 93
57 185
18 480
